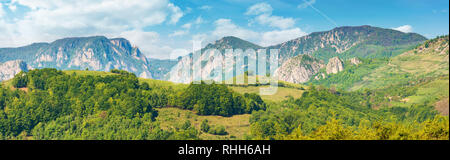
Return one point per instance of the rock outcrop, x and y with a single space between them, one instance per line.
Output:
321 45
209 64
97 53
299 69
334 66
10 68
355 61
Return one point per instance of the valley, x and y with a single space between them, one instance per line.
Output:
358 82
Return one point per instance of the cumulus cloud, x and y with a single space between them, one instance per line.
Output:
280 36
179 33
225 27
48 20
404 28
148 41
176 13
275 21
259 8
263 12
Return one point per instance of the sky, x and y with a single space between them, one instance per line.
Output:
167 28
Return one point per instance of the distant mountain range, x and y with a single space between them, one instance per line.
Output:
340 43
102 54
94 53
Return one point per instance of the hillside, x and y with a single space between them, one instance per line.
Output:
209 64
418 63
342 42
118 105
160 67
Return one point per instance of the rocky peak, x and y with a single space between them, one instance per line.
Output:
232 42
439 45
122 43
96 53
334 66
10 68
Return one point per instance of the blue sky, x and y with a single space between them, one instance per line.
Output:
166 29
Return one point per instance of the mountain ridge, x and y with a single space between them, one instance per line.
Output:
95 53
369 42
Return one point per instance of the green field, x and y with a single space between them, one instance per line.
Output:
427 93
237 126
283 93
404 68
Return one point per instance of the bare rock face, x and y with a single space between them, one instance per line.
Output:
334 66
95 53
299 69
209 63
355 61
10 68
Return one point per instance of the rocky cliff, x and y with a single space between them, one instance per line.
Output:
210 63
10 68
95 53
327 44
334 66
357 41
299 69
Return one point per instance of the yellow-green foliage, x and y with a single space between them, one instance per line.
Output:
433 129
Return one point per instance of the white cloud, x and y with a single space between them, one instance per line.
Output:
48 20
205 7
176 13
263 12
179 33
148 42
2 12
275 21
404 28
259 8
199 20
280 36
225 27
174 54
12 7
306 3
187 26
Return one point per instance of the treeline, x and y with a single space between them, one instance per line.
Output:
49 104
218 99
52 94
329 114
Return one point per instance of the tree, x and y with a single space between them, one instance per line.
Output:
205 126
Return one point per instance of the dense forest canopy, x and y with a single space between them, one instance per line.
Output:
325 114
52 104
